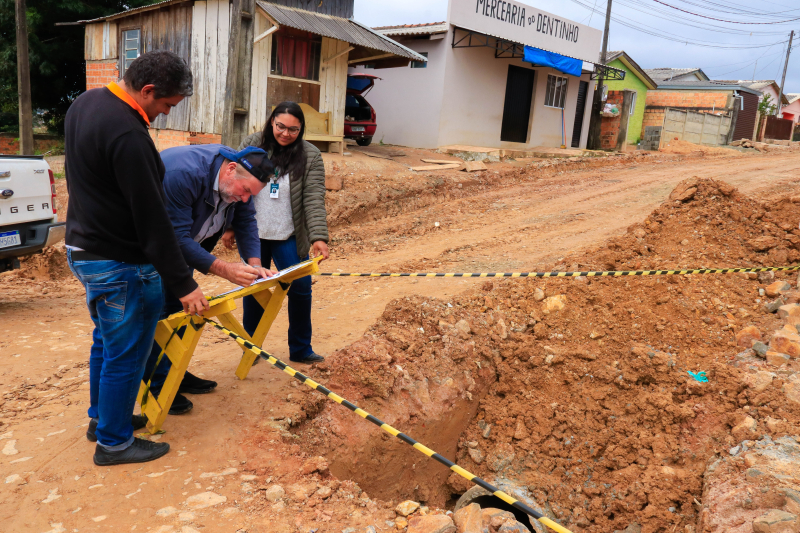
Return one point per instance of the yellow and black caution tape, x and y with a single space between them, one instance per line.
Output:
390 430
554 274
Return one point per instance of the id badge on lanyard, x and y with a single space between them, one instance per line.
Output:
274 186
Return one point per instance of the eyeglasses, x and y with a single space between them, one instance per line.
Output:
283 129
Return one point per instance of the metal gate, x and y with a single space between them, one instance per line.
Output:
580 109
517 106
746 121
778 128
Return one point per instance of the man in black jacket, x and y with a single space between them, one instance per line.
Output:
120 241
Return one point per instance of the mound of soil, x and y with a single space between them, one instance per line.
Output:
686 148
579 387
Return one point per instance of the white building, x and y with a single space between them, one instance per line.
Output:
476 90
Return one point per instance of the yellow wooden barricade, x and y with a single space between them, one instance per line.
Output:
180 347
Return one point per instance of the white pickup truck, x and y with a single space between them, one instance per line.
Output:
28 217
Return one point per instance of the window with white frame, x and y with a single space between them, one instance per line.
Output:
131 48
633 103
556 93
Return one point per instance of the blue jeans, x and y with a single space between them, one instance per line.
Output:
124 301
284 254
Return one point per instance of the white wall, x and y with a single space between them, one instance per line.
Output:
472 113
459 99
408 101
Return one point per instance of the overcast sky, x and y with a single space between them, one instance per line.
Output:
651 51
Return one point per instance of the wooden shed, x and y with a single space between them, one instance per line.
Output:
246 56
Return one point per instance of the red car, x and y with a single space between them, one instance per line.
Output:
359 117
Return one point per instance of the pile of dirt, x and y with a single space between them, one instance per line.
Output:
676 146
580 387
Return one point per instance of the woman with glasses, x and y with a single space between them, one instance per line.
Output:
291 217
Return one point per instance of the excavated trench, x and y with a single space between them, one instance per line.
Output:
574 393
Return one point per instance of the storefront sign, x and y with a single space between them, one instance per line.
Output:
528 25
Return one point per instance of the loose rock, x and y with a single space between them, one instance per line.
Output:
205 499
745 430
775 521
746 336
406 508
468 519
777 288
435 523
274 493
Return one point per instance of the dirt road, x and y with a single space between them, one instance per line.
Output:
528 224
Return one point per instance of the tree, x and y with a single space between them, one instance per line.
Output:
58 70
765 107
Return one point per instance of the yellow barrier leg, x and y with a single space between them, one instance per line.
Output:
180 362
248 356
271 302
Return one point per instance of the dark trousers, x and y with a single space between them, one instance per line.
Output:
284 254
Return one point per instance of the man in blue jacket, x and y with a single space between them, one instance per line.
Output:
209 188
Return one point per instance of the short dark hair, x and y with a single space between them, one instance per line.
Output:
166 70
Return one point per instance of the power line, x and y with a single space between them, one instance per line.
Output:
638 26
723 20
687 21
722 8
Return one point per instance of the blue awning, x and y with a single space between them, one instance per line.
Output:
543 58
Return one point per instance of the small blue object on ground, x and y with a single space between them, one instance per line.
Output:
700 376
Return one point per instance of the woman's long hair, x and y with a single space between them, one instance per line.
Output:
289 159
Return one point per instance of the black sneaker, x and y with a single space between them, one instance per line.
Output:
138 421
309 359
192 384
180 405
140 451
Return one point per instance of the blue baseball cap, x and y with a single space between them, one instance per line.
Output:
253 159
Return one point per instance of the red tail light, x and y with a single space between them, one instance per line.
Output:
53 190
374 116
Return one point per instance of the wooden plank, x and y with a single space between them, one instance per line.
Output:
231 67
368 59
113 40
223 32
339 54
196 63
340 92
259 23
180 21
427 168
265 34
440 161
209 101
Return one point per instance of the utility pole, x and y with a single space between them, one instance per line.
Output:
785 66
24 83
593 142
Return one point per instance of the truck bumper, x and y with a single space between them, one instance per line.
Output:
34 237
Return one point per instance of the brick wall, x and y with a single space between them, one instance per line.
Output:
9 143
101 73
700 101
609 126
164 139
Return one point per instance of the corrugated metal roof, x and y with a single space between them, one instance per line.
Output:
413 29
157 5
664 74
792 97
759 85
707 85
347 30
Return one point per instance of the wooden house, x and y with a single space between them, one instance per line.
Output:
246 56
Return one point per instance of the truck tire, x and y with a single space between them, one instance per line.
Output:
364 141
